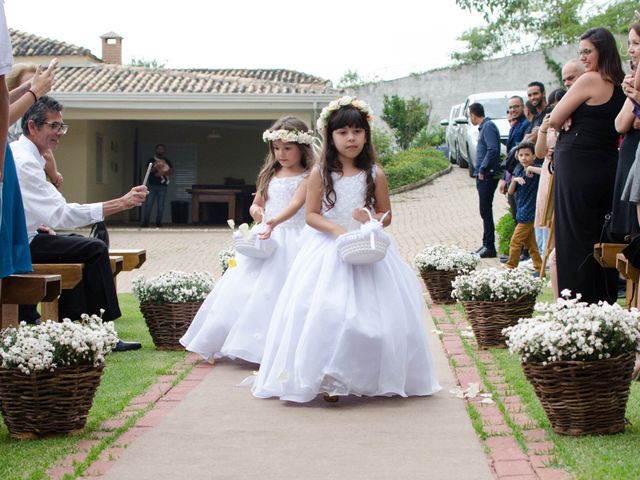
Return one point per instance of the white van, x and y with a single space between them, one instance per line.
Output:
495 107
451 132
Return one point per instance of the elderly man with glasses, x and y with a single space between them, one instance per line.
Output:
46 209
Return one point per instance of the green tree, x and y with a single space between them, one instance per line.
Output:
143 62
510 22
352 79
405 117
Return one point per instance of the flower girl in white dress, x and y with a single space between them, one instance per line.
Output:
341 329
234 319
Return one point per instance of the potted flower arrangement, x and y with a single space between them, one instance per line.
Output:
169 302
49 374
494 299
227 258
439 265
579 358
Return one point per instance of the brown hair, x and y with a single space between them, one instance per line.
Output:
271 166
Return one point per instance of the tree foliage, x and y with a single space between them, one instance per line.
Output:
514 26
405 117
352 79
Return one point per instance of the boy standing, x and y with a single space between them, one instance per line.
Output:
527 188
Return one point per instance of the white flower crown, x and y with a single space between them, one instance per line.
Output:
290 136
338 104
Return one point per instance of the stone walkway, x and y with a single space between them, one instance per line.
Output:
205 427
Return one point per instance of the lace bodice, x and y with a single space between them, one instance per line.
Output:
280 193
350 193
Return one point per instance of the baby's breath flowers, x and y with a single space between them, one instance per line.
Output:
337 105
446 258
289 136
173 287
52 344
574 330
494 285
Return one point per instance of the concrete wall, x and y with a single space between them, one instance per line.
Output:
446 87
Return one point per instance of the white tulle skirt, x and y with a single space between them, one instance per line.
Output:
346 330
234 318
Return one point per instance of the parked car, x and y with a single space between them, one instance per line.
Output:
451 134
495 107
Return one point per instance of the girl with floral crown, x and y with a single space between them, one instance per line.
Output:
341 329
234 319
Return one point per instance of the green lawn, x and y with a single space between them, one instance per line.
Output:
126 375
602 457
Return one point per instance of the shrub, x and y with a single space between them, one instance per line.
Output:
432 136
384 144
413 165
505 228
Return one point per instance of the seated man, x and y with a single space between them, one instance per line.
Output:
45 207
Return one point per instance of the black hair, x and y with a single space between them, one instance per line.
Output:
38 112
537 84
522 145
477 109
609 62
347 116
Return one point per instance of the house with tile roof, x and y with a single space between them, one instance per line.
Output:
211 120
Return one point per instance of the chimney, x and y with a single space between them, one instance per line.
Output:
111 48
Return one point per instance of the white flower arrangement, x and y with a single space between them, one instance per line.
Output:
227 258
450 258
573 330
173 287
57 344
289 136
494 285
338 104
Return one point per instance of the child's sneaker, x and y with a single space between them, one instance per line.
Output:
528 264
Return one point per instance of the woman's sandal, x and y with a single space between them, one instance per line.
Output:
330 398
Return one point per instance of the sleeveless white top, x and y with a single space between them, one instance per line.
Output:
279 195
350 194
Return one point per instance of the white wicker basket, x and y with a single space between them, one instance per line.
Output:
252 246
365 246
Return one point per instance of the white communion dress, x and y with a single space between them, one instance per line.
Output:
234 318
346 329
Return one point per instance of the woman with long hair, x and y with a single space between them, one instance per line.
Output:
585 160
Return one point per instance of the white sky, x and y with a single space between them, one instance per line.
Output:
387 39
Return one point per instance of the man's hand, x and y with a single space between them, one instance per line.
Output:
135 197
481 176
502 186
45 230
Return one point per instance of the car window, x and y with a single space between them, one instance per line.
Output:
495 107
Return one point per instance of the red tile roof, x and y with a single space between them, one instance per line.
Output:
29 45
101 78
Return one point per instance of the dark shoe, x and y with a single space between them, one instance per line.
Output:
486 253
122 346
144 225
504 258
158 225
330 398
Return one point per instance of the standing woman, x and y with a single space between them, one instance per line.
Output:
585 166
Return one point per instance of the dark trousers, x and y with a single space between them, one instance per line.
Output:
95 291
157 195
486 190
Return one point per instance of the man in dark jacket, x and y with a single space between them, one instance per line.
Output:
487 173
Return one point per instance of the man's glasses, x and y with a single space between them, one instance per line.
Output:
515 107
585 52
57 126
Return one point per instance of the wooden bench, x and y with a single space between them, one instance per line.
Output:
71 274
606 253
26 289
632 274
133 258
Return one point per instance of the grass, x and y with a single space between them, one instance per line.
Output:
602 457
126 375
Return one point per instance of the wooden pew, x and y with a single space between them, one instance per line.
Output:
71 274
133 257
26 289
632 274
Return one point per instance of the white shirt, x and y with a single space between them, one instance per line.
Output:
6 53
43 203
